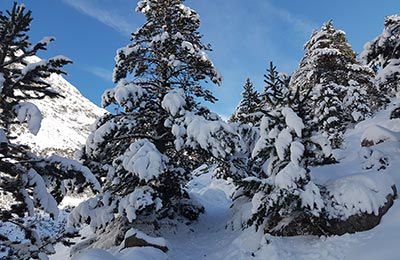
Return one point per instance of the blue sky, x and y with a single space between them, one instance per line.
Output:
245 35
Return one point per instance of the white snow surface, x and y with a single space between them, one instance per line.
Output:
289 175
139 253
282 142
39 193
359 193
140 198
214 237
125 93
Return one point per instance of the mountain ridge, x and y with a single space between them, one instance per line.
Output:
66 121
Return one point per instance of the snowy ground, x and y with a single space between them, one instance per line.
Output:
213 238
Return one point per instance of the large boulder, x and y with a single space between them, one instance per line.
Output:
359 222
136 238
376 134
353 203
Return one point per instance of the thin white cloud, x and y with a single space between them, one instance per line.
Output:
100 72
103 14
300 25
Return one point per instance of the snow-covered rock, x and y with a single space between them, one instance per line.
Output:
376 134
136 238
359 193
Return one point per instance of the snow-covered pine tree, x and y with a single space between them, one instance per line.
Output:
145 153
333 84
383 55
246 111
31 186
278 186
284 201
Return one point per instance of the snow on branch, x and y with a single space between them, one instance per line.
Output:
73 165
293 120
124 94
30 113
144 160
209 135
40 194
174 101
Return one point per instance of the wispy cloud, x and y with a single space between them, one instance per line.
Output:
100 72
300 25
104 14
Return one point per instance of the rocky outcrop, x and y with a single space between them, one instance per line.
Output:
134 241
372 196
360 222
136 238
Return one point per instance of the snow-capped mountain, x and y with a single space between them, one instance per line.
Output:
66 121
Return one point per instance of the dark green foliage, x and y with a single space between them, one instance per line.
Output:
276 88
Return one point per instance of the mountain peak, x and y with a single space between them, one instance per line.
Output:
66 121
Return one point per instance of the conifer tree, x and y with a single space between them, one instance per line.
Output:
146 152
382 54
332 83
246 110
284 200
31 186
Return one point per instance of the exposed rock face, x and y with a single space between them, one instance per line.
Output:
66 121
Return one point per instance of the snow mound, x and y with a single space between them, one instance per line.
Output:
94 254
376 134
359 193
138 253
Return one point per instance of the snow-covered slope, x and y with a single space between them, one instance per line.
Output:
214 238
66 121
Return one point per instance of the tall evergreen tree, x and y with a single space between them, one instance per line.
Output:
383 55
31 186
332 83
145 153
246 111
